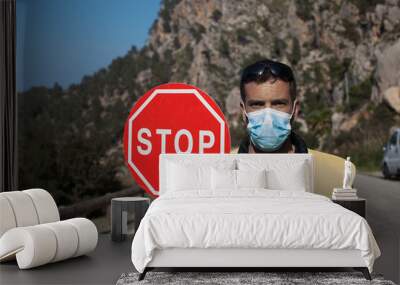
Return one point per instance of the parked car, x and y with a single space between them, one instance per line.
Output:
391 156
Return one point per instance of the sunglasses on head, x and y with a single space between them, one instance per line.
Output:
277 69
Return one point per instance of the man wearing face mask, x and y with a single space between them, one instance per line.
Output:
269 106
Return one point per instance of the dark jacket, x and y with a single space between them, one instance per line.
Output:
299 144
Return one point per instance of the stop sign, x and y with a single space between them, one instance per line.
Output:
171 118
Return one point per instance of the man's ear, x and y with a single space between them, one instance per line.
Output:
296 109
242 110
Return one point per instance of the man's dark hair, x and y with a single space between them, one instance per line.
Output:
267 70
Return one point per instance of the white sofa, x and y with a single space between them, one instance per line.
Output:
31 231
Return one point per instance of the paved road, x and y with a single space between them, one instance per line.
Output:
383 215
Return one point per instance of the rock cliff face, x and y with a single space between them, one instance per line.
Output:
346 56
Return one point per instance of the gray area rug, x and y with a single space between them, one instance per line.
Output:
225 278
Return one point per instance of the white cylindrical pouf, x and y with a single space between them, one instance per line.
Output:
23 208
40 244
45 205
7 218
67 239
34 245
87 235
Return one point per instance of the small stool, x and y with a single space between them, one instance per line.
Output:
120 207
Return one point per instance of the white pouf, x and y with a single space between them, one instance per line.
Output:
67 240
31 231
33 246
23 208
45 205
40 244
7 220
87 233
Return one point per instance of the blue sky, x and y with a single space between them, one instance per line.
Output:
62 40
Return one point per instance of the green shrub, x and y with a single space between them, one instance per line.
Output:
223 47
295 55
304 10
242 36
337 69
177 44
359 94
351 31
254 57
197 31
216 15
165 14
161 69
366 5
60 149
279 48
364 142
183 61
278 6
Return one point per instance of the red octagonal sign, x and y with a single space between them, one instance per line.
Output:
171 118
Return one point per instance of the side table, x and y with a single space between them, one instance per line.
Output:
120 207
356 205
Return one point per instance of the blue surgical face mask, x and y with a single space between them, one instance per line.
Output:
269 128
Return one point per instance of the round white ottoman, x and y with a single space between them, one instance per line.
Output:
40 244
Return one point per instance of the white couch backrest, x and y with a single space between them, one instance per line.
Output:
232 161
26 208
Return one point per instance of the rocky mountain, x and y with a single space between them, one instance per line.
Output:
346 57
